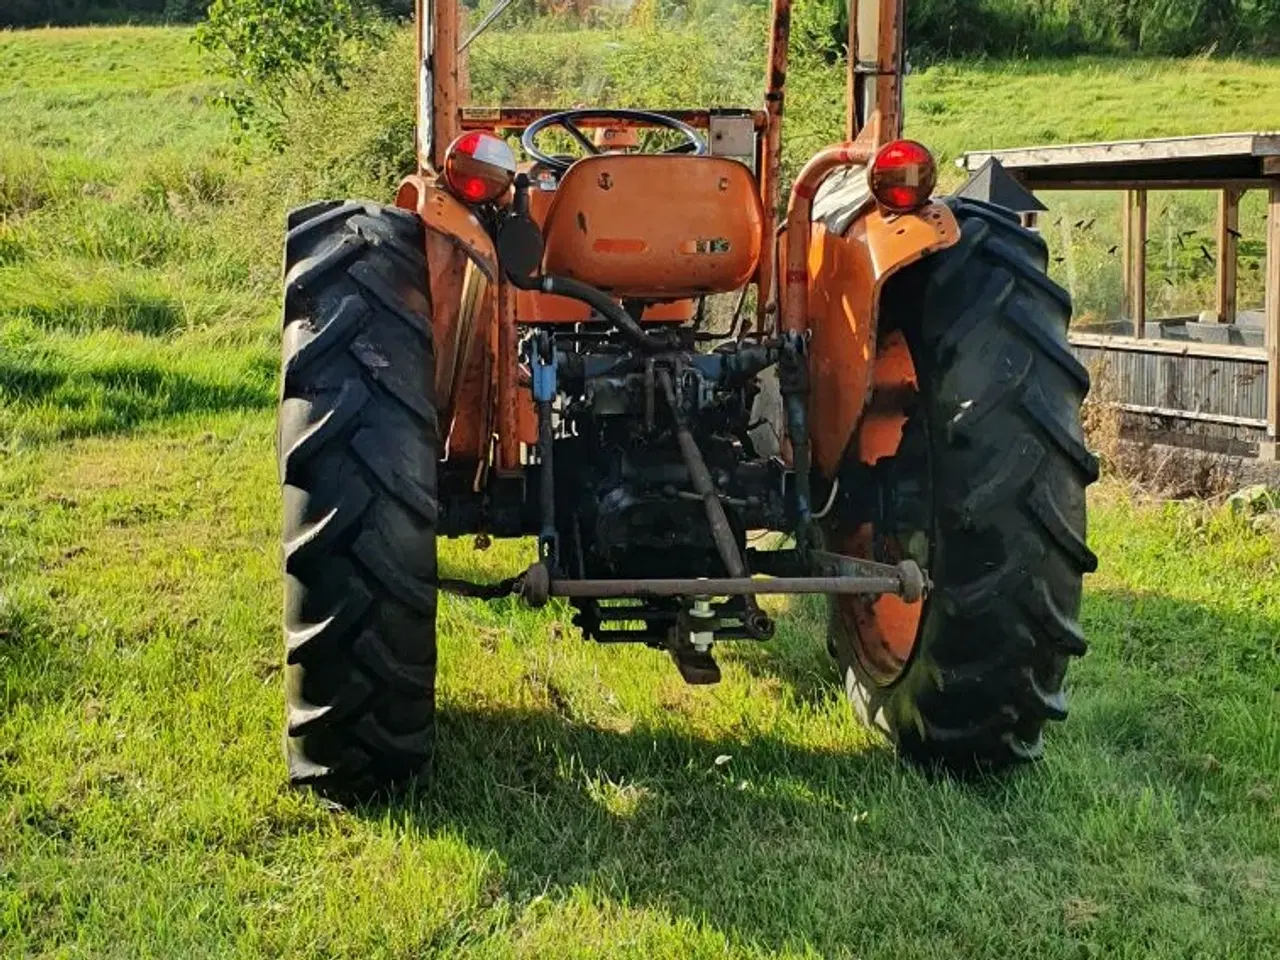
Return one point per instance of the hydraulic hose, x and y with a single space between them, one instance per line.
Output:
598 300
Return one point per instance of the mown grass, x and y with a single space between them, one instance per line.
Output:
583 805
588 803
133 280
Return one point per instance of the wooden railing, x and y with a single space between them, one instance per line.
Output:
1190 380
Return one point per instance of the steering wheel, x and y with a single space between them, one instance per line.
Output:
567 120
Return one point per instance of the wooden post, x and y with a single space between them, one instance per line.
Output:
1126 254
1068 256
1138 262
1270 449
1228 252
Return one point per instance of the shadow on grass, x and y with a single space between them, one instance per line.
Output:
762 844
788 845
53 402
1171 685
131 313
650 818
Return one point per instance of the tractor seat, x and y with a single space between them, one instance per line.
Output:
655 226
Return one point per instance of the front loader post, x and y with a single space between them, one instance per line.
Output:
876 31
769 164
438 80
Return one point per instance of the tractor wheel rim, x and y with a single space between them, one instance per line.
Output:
886 631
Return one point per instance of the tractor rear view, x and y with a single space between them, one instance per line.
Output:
521 346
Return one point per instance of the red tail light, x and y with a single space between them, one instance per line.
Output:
902 176
479 167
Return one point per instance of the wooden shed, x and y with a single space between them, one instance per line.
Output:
1200 385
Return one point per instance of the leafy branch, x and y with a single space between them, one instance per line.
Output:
273 51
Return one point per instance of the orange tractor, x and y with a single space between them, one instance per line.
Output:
522 346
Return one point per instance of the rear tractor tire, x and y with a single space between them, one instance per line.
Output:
987 493
357 442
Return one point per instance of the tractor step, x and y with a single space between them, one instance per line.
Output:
697 667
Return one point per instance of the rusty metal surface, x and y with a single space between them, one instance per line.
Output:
1227 390
703 485
444 214
887 119
795 281
456 245
846 576
442 77
874 75
655 226
756 621
769 163
846 275
726 587
535 307
517 118
894 386
510 394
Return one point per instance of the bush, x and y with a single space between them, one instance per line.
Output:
30 13
275 50
943 28
358 141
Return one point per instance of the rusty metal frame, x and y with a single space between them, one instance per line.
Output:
883 77
839 574
782 278
441 117
769 161
515 119
795 285
727 587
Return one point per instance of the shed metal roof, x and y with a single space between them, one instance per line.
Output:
993 184
1208 160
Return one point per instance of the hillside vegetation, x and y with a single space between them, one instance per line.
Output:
937 28
589 803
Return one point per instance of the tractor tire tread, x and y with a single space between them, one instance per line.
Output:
1000 411
334 255
317 639
374 284
340 331
307 445
358 442
325 535
1049 345
1001 480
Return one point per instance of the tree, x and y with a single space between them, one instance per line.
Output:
274 50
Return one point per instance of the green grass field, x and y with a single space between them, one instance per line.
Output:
589 804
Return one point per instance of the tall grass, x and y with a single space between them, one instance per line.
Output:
936 28
136 263
948 28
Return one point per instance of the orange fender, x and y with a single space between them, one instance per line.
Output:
448 217
846 276
463 267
